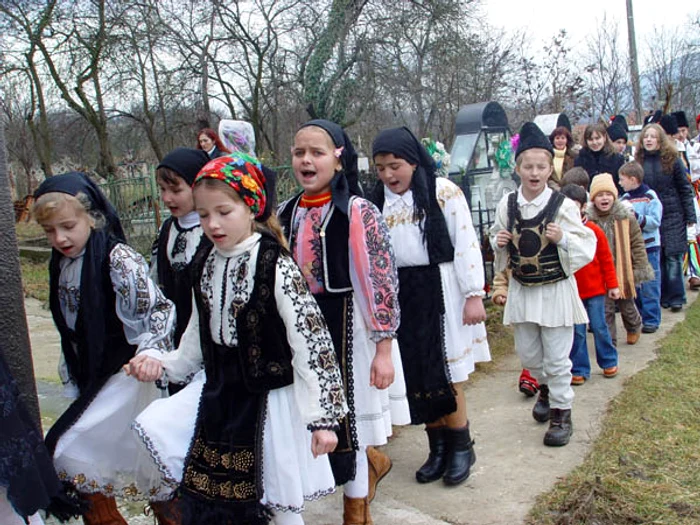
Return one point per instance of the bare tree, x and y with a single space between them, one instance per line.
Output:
607 79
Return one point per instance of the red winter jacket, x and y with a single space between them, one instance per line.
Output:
598 276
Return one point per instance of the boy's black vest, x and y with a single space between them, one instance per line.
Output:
335 252
263 349
176 284
533 259
102 348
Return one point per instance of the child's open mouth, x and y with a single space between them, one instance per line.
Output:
307 174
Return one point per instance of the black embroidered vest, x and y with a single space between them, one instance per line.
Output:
335 252
176 285
263 349
533 259
84 366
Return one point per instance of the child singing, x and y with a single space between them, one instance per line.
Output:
342 246
441 283
539 234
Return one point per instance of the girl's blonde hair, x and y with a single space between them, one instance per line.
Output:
667 149
270 226
46 206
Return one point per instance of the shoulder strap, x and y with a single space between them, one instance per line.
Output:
512 210
555 202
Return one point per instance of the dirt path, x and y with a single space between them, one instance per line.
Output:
513 465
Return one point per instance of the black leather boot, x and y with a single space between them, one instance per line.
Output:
460 455
541 409
434 467
560 428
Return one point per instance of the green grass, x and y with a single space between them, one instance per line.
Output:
645 465
28 231
35 279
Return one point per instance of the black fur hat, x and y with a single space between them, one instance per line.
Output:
620 121
531 136
670 124
653 118
681 119
616 131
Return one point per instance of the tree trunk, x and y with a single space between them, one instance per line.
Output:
13 321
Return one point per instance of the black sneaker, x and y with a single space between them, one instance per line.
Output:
649 329
676 308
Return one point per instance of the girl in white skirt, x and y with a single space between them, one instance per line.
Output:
247 440
441 282
107 310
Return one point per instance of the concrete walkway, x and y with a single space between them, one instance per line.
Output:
513 465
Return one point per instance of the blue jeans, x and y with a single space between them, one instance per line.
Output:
605 351
672 281
648 299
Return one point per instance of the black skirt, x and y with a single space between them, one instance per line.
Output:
421 337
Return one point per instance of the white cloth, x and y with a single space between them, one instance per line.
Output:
461 278
290 472
554 304
544 351
98 453
359 487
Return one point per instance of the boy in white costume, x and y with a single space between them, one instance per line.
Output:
538 234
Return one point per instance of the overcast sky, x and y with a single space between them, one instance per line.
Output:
580 17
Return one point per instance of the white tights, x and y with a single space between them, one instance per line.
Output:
359 487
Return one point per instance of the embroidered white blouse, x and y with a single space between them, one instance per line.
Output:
227 284
407 239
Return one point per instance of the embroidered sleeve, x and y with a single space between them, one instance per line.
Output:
469 265
318 386
148 317
373 270
182 364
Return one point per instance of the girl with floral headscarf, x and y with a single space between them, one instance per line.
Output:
247 440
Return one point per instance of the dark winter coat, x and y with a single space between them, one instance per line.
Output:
676 196
596 162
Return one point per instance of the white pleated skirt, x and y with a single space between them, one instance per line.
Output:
464 345
99 453
291 475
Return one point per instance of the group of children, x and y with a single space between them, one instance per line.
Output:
291 339
279 333
629 261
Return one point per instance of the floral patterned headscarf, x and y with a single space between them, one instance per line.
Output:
244 174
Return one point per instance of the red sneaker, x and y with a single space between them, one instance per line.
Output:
527 384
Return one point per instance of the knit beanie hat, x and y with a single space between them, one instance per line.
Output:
603 182
621 121
681 119
186 162
669 123
531 137
615 132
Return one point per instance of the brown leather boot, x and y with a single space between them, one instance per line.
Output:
356 511
103 511
378 465
166 512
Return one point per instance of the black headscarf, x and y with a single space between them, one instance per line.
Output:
85 369
75 182
402 143
345 183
